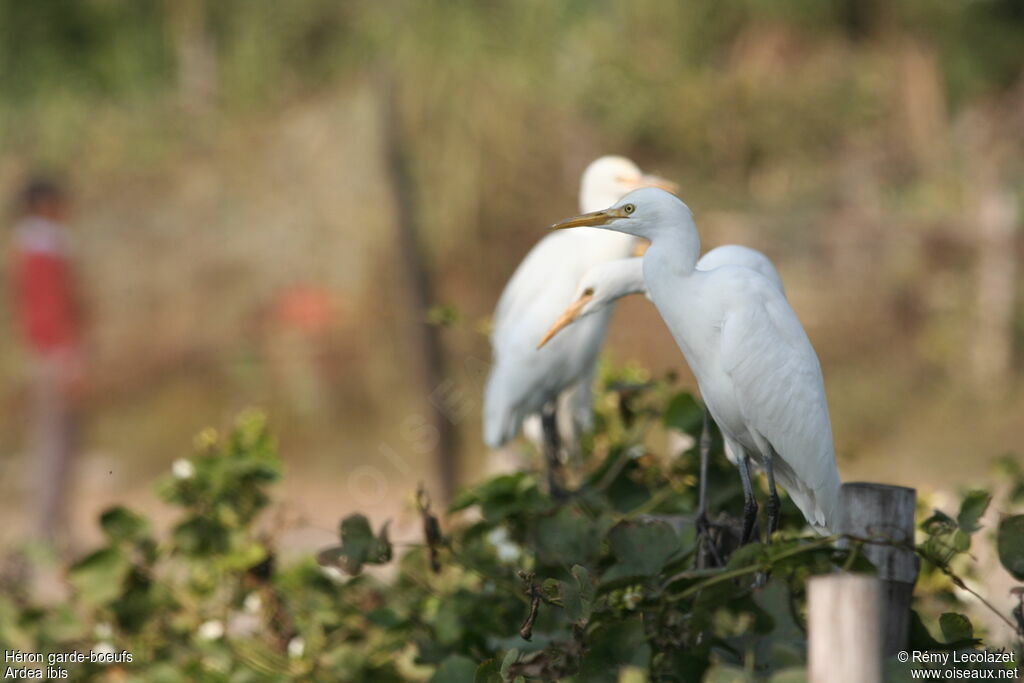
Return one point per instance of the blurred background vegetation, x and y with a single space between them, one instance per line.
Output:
236 224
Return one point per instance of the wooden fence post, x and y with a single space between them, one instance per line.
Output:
844 634
427 354
886 514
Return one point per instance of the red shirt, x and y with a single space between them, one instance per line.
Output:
45 300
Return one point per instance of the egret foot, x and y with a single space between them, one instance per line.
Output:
707 547
705 543
749 502
750 533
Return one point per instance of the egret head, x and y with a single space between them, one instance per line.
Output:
641 213
599 287
608 179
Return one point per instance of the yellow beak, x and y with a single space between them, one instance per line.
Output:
568 316
592 219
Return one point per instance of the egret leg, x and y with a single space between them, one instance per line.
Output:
552 445
749 502
705 453
774 505
705 544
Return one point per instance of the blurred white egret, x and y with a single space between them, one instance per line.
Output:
525 381
757 371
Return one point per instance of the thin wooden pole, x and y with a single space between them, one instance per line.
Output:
195 54
844 629
885 514
425 343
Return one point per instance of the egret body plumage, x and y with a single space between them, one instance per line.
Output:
757 371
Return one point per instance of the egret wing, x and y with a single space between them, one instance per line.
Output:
781 394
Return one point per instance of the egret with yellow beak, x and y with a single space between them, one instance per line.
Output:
608 282
756 369
555 382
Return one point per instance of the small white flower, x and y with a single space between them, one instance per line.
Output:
104 649
506 549
334 574
632 597
210 630
679 442
296 647
182 468
103 631
252 603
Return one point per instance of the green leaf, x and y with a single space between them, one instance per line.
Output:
455 669
791 674
121 524
945 537
920 637
618 643
724 673
955 627
578 595
243 557
688 665
938 523
684 413
510 658
503 496
358 546
550 588
641 548
961 541
488 672
775 599
747 556
201 536
971 510
381 550
99 577
384 617
1010 541
568 537
571 601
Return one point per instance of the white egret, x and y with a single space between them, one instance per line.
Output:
525 381
757 371
608 282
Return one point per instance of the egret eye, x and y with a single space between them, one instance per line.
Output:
589 291
629 209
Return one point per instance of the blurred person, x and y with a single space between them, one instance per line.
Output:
49 317
298 340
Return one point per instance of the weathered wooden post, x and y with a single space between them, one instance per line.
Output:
844 634
883 513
